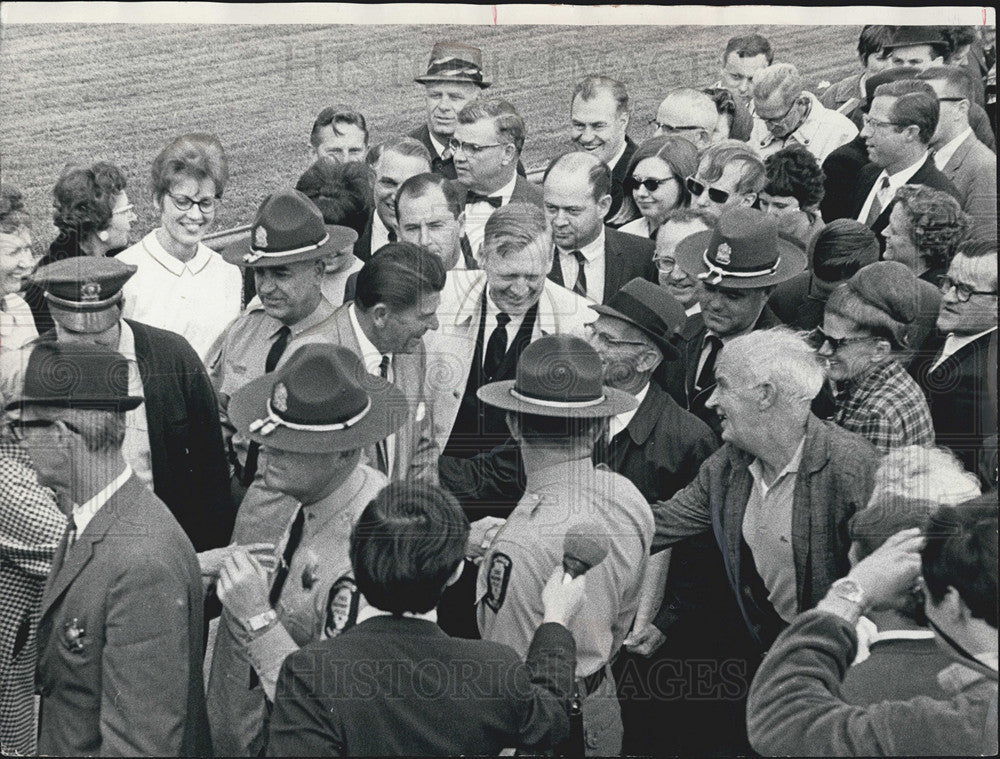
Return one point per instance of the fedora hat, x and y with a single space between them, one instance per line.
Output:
288 228
558 375
455 62
84 292
76 375
743 251
905 36
320 401
651 309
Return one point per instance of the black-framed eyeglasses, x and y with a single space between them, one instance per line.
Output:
819 338
470 148
696 188
184 203
782 117
16 427
631 184
666 128
951 100
609 339
868 121
962 292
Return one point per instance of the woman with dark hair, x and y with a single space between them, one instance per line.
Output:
94 217
182 285
793 192
17 325
655 182
926 227
866 328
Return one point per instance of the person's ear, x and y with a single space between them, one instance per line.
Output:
625 119
768 396
509 154
647 360
604 205
749 199
379 314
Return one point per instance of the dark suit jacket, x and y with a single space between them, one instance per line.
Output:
482 698
120 637
792 303
926 175
439 166
625 258
363 245
835 478
618 175
841 169
190 470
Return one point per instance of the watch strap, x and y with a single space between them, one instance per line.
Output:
260 621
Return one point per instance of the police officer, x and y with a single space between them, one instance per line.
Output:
314 415
557 408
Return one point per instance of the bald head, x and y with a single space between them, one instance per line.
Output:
688 113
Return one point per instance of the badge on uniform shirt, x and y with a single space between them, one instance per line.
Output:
341 607
73 635
497 578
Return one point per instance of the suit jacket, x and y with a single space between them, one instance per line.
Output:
792 303
841 169
622 209
190 470
450 348
835 478
498 701
973 170
927 175
363 245
843 92
120 637
416 453
625 258
438 165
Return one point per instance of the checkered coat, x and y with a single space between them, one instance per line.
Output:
30 529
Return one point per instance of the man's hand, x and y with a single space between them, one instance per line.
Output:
243 586
481 533
562 600
211 560
644 640
891 571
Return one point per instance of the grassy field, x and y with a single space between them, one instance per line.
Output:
119 92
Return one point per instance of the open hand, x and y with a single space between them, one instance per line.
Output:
891 571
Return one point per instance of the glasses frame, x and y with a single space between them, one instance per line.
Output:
819 338
15 427
614 342
657 262
963 292
631 184
186 203
868 121
781 118
671 129
123 209
697 189
471 148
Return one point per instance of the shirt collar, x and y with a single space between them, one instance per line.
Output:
82 515
618 155
902 177
377 220
162 256
693 309
320 313
942 156
439 147
507 190
593 250
371 355
792 467
577 470
370 611
126 341
622 421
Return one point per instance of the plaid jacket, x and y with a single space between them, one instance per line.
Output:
886 406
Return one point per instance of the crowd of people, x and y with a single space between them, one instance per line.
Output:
686 444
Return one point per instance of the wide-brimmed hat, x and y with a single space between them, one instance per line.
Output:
455 62
320 401
905 36
76 375
558 375
651 309
288 228
84 292
743 251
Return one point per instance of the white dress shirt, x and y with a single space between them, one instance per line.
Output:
371 357
380 237
886 195
477 214
492 310
86 512
621 421
954 343
593 254
942 156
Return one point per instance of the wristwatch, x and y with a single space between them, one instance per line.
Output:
850 591
260 621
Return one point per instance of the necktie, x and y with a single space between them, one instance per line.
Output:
496 347
706 377
70 534
474 197
281 574
470 261
580 286
392 236
271 361
447 154
382 446
876 209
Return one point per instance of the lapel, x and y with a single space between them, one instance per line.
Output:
815 454
735 494
614 266
958 157
640 427
345 330
556 273
692 349
952 364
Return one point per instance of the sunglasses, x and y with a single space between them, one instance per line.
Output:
696 188
631 184
16 427
818 338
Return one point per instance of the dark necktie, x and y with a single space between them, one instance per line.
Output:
706 377
271 361
580 286
474 197
392 236
877 206
281 574
382 446
496 348
470 261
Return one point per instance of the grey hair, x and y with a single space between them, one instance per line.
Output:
781 357
925 473
779 77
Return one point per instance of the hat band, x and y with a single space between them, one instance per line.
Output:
715 273
558 404
89 305
256 254
270 423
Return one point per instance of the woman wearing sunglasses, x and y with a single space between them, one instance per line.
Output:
182 285
655 182
866 328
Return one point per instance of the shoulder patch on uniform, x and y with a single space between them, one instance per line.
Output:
341 607
497 578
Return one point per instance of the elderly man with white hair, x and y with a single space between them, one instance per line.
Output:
785 113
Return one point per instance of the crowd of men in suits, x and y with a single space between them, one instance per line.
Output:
681 441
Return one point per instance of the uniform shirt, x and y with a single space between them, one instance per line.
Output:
197 299
244 352
886 406
477 214
886 195
320 569
822 132
529 546
767 529
593 254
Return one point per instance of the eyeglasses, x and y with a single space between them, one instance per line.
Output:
819 338
868 122
631 184
962 292
184 203
696 188
778 119
951 100
16 427
664 265
670 128
470 148
604 337
123 209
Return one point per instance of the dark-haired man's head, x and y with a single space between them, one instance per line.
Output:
392 163
340 133
742 58
900 123
429 213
